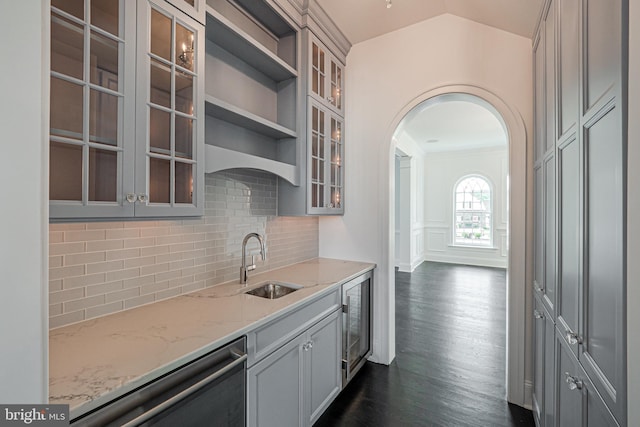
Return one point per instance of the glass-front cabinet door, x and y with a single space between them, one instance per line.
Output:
91 115
326 173
170 107
193 8
126 105
326 77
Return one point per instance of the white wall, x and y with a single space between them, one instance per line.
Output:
386 75
443 171
23 216
633 211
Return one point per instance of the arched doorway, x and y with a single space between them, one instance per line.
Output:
519 229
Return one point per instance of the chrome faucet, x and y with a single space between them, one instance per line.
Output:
245 268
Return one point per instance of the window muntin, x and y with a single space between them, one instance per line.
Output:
472 217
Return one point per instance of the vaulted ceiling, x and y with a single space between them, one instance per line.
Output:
360 20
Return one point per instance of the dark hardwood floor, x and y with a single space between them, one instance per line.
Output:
449 368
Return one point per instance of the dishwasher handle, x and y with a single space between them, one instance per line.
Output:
239 357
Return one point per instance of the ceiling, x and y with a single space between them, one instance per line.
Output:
360 20
452 126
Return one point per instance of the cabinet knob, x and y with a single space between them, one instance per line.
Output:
131 198
537 314
142 198
573 338
572 382
330 98
537 287
307 346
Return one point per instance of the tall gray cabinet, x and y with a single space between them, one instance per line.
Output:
580 54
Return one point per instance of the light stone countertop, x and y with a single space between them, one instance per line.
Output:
95 361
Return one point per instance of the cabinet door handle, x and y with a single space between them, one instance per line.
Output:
537 287
142 198
573 338
537 314
131 197
573 382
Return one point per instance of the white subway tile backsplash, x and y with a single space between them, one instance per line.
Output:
123 274
82 281
66 248
55 285
56 237
122 295
104 288
123 233
103 310
140 242
125 254
66 295
144 299
62 272
84 258
103 267
84 235
104 245
139 261
83 303
66 319
100 268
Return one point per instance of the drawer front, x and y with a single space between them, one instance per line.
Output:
264 340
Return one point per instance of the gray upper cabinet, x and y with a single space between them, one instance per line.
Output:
539 97
170 112
569 226
550 76
326 76
126 130
251 88
603 348
193 8
321 157
568 66
92 109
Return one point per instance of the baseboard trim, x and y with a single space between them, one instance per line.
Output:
528 392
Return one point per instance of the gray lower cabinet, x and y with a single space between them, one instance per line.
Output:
543 396
298 381
578 402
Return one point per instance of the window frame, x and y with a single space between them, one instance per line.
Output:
490 210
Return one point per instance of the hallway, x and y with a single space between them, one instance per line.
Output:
449 368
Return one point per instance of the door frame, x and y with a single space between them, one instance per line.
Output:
520 231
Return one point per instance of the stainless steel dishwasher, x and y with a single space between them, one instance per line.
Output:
356 325
210 391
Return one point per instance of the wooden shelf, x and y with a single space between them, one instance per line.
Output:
230 113
218 158
230 37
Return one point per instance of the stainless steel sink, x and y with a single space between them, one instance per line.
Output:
272 290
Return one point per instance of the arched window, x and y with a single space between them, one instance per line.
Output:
472 217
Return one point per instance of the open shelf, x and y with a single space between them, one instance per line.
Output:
230 113
232 38
218 158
